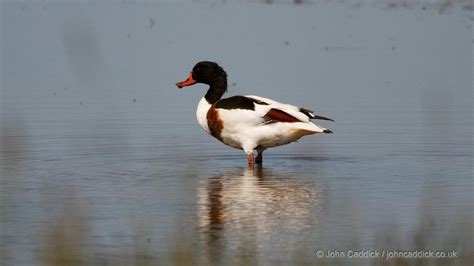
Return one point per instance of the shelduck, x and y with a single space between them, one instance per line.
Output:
247 122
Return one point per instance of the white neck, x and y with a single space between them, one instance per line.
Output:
201 113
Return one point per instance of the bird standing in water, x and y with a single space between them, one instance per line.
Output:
247 122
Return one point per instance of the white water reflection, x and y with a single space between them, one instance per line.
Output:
242 210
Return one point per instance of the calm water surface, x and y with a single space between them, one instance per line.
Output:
102 162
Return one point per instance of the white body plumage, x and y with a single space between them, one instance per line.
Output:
248 129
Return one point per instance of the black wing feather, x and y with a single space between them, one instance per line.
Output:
238 102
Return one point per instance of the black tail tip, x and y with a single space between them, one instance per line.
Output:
327 131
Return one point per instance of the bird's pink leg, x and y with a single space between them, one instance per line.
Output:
250 160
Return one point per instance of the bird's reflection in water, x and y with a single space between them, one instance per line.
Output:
255 211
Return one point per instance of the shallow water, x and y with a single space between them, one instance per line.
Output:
102 160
